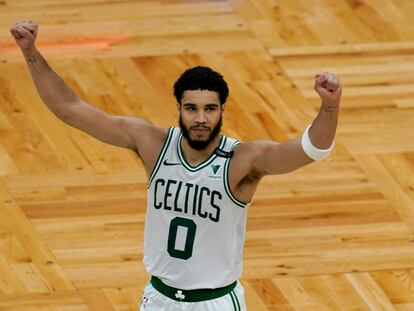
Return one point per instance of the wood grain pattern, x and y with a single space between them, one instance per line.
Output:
335 235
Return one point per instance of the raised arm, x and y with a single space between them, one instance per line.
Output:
128 132
273 158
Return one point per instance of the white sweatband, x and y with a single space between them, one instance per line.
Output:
311 151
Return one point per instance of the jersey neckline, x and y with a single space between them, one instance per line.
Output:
203 164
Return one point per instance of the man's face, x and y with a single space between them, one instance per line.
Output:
200 117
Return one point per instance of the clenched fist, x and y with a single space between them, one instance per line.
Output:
329 88
25 33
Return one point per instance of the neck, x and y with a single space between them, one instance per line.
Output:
195 157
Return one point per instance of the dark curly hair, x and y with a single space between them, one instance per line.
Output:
201 78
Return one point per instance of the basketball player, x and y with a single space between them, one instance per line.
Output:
200 183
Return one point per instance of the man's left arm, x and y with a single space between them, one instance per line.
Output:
315 144
323 129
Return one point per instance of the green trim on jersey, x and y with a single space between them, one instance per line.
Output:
226 181
161 155
202 164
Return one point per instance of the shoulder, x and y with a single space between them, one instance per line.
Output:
144 131
253 149
245 158
148 138
250 156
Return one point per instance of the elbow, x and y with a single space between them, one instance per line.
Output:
62 115
65 111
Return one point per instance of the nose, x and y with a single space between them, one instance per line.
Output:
200 118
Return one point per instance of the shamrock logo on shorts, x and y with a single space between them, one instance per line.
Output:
179 295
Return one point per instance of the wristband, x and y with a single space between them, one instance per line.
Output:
311 151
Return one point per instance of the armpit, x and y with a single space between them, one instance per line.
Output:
252 178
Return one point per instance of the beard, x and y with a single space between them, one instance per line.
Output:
200 144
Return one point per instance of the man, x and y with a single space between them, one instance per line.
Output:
200 183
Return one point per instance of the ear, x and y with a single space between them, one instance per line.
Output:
178 107
222 108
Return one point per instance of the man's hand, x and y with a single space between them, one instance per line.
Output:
328 86
25 33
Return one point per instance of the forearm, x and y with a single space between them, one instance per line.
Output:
52 89
323 129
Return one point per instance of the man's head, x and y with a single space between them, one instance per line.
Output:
201 95
201 78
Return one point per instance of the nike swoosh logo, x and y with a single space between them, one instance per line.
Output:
170 164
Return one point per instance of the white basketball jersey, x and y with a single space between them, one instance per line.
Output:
195 227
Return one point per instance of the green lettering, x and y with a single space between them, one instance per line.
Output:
189 186
195 199
215 218
162 182
177 193
200 201
168 193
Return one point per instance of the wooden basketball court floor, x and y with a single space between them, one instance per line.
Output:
335 235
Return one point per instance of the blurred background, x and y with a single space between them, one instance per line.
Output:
334 235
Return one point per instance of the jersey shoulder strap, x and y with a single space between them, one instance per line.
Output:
170 141
226 151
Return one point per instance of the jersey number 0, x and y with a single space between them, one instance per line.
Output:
189 241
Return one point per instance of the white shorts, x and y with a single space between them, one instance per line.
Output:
153 300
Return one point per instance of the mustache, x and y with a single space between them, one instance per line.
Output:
198 126
196 144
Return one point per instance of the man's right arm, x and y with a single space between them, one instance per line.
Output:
65 104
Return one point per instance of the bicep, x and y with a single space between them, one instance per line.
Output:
278 158
114 130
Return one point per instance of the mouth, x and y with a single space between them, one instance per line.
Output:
200 131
